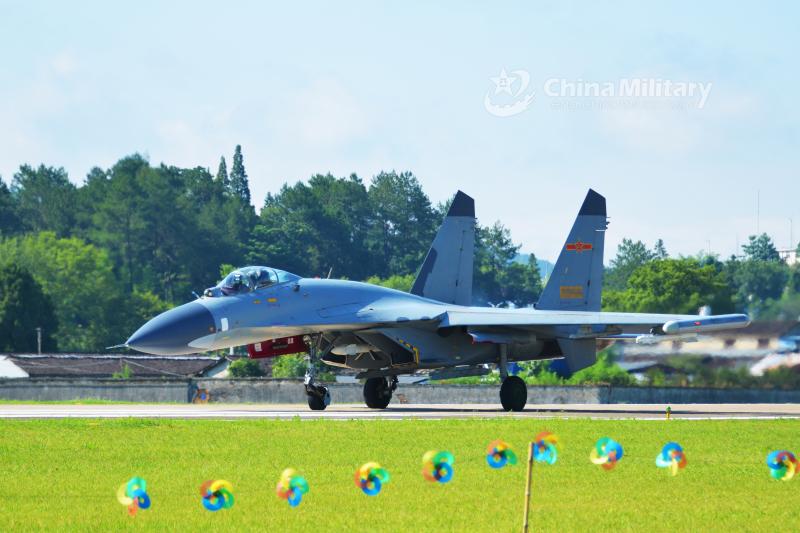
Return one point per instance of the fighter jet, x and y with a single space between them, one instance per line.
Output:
382 332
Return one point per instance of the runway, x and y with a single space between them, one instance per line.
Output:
400 411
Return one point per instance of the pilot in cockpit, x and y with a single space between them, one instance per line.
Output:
247 279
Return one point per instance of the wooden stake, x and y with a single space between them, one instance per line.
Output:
528 489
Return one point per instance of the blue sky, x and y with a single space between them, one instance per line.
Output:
314 87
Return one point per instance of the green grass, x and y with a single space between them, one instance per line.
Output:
62 475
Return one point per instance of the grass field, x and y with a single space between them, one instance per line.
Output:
62 475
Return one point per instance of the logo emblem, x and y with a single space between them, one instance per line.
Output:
510 96
578 246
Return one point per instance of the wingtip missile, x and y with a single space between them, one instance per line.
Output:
706 324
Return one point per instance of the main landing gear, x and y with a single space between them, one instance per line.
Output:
318 396
513 391
378 392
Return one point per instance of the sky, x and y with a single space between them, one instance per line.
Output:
486 99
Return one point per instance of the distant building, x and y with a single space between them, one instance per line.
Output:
760 346
789 256
758 339
14 365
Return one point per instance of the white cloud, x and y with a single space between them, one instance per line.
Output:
64 63
327 114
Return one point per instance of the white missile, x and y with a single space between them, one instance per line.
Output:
650 339
706 324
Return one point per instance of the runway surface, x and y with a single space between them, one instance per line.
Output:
400 411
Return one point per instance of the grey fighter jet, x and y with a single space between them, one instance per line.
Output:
383 332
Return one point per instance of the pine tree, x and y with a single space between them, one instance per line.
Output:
761 248
222 172
660 251
238 182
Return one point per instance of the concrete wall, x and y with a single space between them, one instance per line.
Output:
291 391
173 391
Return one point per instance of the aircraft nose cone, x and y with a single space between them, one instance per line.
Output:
171 332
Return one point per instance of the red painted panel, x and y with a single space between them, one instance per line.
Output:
276 347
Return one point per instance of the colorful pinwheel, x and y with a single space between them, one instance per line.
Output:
291 487
371 477
672 457
217 494
544 448
606 453
438 466
499 454
782 465
134 495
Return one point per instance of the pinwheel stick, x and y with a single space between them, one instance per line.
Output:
528 489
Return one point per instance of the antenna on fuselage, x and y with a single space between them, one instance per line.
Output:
330 271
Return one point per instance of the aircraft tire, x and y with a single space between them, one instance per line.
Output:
318 402
377 393
513 394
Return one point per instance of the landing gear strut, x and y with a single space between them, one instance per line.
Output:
318 396
378 392
513 391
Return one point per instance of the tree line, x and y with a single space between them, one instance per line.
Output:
758 282
91 262
134 239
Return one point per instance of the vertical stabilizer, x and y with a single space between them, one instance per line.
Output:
446 273
577 278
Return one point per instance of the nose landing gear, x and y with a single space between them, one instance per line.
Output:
318 396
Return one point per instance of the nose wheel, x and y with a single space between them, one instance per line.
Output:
378 392
318 396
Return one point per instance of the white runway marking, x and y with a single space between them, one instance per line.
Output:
399 412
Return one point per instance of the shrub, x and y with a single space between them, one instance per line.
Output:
245 368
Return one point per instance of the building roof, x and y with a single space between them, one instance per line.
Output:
105 365
638 367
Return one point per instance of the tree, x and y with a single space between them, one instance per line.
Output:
9 221
760 248
45 199
289 366
245 368
520 283
403 224
659 250
604 371
239 185
630 256
118 222
222 173
314 227
88 302
794 279
672 286
400 283
756 281
23 308
498 278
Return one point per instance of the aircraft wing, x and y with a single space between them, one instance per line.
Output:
592 324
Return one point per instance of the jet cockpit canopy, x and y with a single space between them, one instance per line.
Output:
248 279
